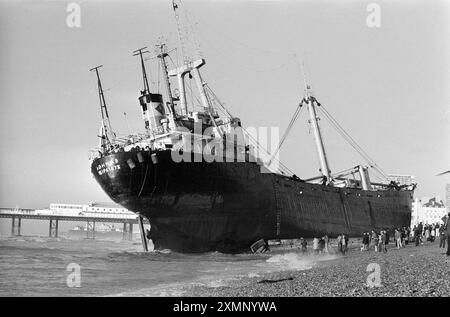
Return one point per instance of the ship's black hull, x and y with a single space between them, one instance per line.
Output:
226 206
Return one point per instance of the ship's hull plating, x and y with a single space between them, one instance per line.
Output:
226 206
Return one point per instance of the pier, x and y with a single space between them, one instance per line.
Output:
128 219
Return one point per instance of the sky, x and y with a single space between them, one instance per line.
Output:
387 86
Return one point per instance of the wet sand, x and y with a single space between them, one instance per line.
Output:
410 271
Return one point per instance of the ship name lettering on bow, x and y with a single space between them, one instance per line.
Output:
108 166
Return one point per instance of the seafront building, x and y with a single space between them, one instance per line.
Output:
428 211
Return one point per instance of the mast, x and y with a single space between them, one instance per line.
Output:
144 72
162 56
144 99
103 108
325 169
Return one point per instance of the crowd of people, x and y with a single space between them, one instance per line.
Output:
379 240
419 234
429 233
322 244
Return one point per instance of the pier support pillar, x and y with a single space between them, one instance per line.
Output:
127 231
143 237
16 223
53 228
90 229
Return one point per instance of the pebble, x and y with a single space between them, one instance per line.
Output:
410 271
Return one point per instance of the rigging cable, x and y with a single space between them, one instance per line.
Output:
350 140
353 144
283 167
288 129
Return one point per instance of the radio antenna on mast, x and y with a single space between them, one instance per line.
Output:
180 35
305 78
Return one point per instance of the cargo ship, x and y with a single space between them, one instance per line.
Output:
204 186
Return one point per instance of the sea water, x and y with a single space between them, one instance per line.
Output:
40 266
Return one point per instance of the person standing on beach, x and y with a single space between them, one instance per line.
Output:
365 241
321 245
420 232
316 245
442 237
447 231
375 240
304 245
384 240
398 238
339 243
417 236
380 241
427 233
406 239
403 236
326 240
344 243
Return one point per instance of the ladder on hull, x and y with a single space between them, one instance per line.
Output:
277 197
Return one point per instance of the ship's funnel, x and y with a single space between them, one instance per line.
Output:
152 110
